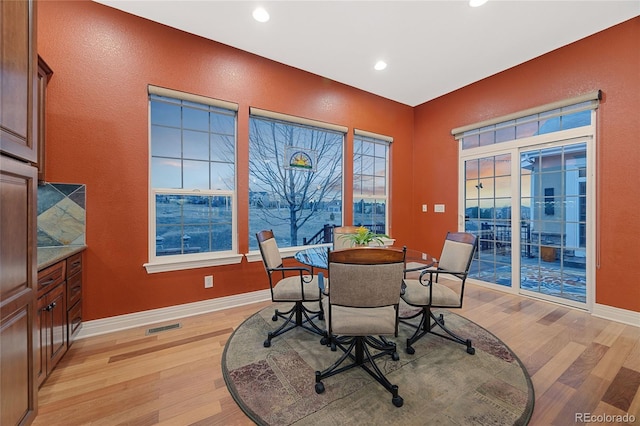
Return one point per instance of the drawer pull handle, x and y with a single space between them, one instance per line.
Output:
47 282
76 263
50 307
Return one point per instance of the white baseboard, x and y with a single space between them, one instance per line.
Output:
616 314
137 319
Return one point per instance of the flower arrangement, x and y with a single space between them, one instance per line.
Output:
363 236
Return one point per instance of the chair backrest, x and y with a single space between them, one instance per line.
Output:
366 277
269 249
340 239
457 252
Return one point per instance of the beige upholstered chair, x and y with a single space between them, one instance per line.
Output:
361 309
440 287
289 284
340 236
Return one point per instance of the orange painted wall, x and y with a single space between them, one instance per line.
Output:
97 129
610 61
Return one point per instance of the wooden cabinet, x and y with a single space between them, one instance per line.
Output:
51 319
59 312
74 296
44 74
18 272
18 192
18 124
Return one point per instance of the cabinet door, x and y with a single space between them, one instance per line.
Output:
17 291
51 331
57 308
18 91
42 330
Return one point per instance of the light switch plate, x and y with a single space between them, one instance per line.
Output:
424 207
208 281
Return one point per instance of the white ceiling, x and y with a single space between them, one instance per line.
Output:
432 47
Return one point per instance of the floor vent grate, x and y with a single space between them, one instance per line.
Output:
163 328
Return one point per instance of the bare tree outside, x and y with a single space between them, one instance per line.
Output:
293 196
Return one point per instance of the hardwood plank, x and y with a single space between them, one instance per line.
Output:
552 370
623 389
553 316
549 405
584 400
613 360
581 367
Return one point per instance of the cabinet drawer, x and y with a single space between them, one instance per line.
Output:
74 289
74 321
51 276
74 264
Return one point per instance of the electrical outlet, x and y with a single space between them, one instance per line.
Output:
208 281
438 208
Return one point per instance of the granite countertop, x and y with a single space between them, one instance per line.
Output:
47 256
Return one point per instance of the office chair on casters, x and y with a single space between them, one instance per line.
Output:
441 287
361 309
299 288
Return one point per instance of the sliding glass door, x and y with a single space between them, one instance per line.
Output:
553 201
488 206
528 205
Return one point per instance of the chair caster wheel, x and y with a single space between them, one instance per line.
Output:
267 343
410 350
324 341
395 356
321 316
274 317
333 347
397 401
319 387
471 351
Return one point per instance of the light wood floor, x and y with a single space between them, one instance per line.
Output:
578 364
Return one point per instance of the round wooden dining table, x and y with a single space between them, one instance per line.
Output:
318 257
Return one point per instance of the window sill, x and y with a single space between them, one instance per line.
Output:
174 264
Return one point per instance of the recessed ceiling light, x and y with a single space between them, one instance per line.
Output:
260 14
476 3
380 65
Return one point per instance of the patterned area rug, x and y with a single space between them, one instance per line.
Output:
441 384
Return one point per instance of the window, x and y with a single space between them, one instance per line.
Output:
370 181
295 178
542 122
192 172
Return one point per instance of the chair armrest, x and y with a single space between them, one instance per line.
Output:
436 272
292 268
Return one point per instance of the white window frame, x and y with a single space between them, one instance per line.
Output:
371 137
178 262
254 255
